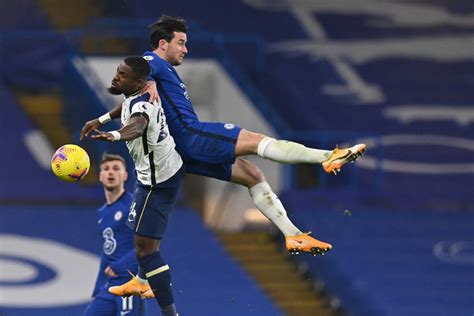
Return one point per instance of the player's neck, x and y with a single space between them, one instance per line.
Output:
160 54
131 94
111 196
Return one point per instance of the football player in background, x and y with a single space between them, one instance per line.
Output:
160 175
118 255
214 149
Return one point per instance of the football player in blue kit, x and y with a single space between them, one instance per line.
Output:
159 171
118 255
214 149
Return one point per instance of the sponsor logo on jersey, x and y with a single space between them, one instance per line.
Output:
229 126
148 58
109 241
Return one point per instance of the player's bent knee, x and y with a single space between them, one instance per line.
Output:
142 252
247 173
257 175
145 246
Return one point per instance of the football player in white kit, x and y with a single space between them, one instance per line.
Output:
160 176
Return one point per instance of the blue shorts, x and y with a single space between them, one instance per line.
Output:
152 206
112 305
208 148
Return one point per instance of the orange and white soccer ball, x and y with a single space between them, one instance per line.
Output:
70 163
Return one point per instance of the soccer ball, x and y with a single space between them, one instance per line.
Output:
70 163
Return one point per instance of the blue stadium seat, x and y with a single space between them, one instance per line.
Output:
23 15
27 180
206 280
392 262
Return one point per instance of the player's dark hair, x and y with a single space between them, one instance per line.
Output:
164 28
139 66
111 157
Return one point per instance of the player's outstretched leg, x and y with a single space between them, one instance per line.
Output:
246 173
290 152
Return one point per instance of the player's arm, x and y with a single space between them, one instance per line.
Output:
135 129
110 272
124 264
94 124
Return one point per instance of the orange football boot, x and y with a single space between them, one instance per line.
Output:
305 243
133 287
341 156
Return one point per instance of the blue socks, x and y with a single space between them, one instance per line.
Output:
141 274
157 272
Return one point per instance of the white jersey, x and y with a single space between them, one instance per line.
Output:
154 154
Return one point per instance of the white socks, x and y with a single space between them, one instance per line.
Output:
269 204
263 197
290 152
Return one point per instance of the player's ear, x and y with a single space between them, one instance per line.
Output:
141 82
125 178
163 44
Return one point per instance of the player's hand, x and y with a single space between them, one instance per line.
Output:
150 87
89 127
99 135
108 271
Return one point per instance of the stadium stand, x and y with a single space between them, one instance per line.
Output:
405 261
396 74
38 68
31 53
324 70
29 180
23 14
196 257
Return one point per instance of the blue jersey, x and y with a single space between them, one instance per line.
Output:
176 102
207 148
118 248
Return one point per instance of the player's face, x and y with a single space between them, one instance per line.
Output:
113 174
176 49
124 81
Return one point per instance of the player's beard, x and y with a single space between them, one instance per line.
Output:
114 90
177 62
